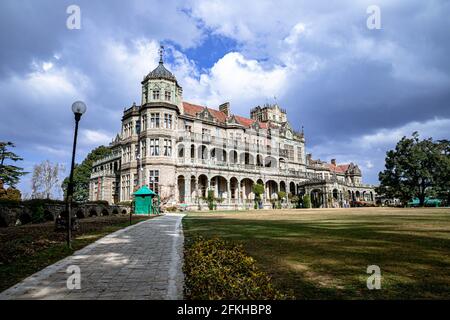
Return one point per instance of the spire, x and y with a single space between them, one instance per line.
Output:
161 53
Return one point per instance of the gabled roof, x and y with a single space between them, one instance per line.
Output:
340 168
193 109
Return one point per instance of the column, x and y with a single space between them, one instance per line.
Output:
238 199
187 190
228 191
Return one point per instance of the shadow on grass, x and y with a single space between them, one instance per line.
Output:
328 259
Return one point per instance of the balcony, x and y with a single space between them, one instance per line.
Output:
240 167
191 137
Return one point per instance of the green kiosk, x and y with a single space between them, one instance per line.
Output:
144 201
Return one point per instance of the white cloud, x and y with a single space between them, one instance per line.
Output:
234 78
95 137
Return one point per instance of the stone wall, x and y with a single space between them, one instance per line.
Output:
21 213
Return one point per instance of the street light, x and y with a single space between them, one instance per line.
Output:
78 108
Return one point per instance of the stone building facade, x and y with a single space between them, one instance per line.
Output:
181 150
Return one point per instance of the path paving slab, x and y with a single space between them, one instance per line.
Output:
141 262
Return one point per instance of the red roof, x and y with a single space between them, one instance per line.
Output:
340 168
193 109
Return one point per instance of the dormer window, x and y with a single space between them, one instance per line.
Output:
168 95
155 94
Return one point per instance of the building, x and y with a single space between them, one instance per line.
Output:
180 150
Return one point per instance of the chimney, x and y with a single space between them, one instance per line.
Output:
333 162
308 158
225 108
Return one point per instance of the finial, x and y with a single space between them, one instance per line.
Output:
303 130
161 53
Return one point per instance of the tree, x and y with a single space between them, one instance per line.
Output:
414 168
258 190
306 201
82 173
9 174
44 180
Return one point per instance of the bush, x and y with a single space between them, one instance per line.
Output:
99 202
171 209
217 270
125 203
306 201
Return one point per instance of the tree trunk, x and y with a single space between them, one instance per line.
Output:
421 199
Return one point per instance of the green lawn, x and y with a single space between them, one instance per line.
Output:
324 253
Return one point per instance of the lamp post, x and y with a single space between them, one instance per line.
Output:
78 108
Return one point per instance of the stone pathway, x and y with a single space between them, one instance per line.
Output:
143 261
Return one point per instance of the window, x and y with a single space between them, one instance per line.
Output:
167 121
154 147
290 151
154 180
167 147
155 94
299 154
143 148
167 95
137 127
144 122
154 120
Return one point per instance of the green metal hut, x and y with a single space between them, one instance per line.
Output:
143 201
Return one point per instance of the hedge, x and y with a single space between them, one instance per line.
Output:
218 270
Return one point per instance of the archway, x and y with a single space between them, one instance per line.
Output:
335 194
246 158
180 151
219 155
282 186
270 162
192 151
105 212
234 188
202 185
292 190
92 212
259 160
181 189
271 190
247 189
358 195
203 152
219 185
316 198
79 214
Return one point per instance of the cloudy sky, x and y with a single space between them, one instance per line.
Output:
355 90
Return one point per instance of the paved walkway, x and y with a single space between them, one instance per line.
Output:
143 261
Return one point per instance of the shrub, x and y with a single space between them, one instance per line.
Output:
99 202
217 270
306 201
125 203
171 209
37 215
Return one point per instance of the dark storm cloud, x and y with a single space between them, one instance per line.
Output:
365 80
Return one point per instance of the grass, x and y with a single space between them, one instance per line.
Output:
324 253
27 249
